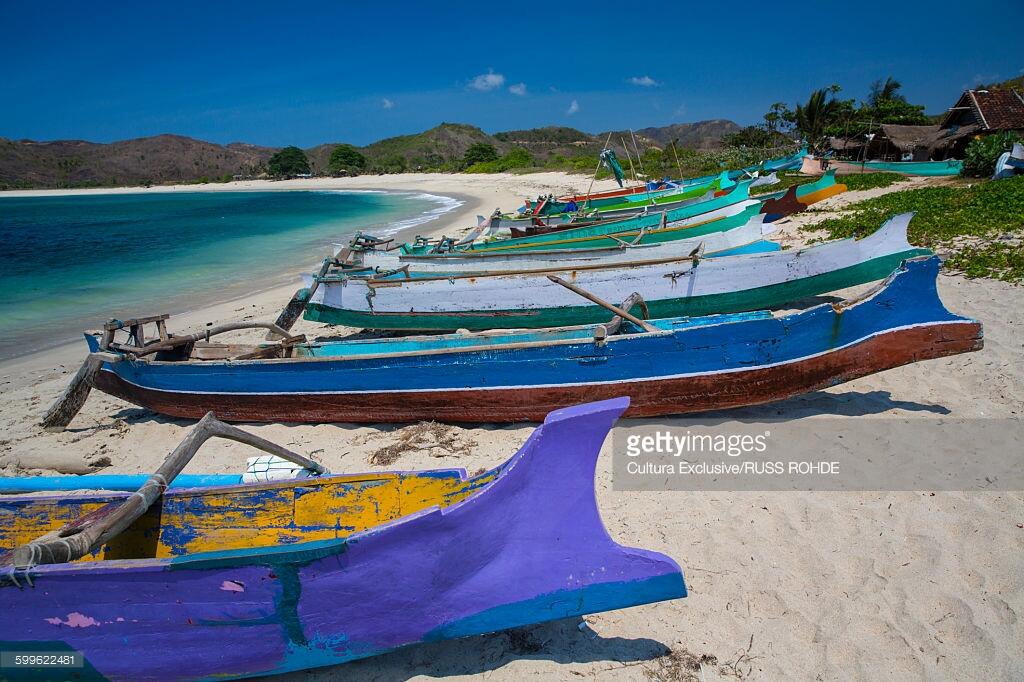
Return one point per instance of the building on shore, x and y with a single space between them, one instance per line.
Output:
976 113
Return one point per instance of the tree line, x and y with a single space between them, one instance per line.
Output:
825 114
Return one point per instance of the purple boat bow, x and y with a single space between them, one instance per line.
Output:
526 546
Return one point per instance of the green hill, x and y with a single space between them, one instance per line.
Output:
440 148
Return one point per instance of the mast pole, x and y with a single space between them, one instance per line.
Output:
609 139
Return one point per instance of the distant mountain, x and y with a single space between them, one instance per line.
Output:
159 159
174 158
699 135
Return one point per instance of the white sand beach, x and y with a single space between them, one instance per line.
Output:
804 586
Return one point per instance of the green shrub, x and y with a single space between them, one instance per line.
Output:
981 154
346 159
997 260
517 158
480 152
288 162
968 221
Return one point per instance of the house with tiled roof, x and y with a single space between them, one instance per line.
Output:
980 112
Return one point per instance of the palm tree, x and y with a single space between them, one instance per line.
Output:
885 91
821 109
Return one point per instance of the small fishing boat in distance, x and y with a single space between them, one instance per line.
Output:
247 580
667 366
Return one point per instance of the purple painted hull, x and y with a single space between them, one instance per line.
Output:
527 548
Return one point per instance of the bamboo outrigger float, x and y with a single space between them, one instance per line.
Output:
239 581
627 250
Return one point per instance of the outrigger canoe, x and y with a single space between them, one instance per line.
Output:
716 285
240 581
747 238
666 366
783 163
1010 163
551 212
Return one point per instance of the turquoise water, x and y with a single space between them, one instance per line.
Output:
70 263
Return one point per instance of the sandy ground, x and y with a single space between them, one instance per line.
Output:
816 586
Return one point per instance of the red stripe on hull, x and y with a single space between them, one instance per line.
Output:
625 192
648 398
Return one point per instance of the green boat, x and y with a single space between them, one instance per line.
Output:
553 212
700 212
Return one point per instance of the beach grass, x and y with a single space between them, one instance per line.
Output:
980 225
862 181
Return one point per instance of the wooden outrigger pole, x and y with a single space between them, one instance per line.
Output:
679 166
90 532
629 158
636 150
618 311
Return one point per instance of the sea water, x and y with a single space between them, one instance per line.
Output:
69 263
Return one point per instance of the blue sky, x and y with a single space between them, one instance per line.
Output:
308 72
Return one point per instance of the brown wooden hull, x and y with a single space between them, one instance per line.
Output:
648 398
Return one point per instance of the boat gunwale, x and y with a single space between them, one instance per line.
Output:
85 493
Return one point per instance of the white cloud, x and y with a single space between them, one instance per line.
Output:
518 89
487 81
644 81
573 108
386 103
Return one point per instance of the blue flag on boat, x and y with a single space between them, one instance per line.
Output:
611 163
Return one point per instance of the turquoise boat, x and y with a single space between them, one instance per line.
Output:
926 168
950 167
699 212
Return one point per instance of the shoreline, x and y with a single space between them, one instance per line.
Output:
281 284
413 182
263 293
